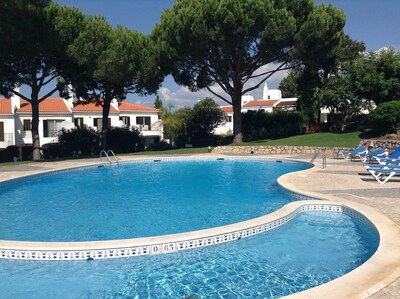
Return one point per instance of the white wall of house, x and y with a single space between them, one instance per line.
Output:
16 127
8 136
89 119
47 132
138 120
227 127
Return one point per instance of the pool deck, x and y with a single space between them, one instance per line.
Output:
341 180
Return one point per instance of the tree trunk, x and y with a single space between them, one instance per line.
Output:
332 120
35 126
104 129
237 117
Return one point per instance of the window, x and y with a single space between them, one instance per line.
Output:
126 120
98 122
27 125
143 122
51 127
1 131
228 118
78 122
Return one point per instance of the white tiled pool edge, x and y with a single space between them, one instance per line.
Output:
376 273
49 251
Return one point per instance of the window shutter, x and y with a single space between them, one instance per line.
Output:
1 131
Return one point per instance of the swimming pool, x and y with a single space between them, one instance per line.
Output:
270 265
143 199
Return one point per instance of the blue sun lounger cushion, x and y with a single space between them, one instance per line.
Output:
352 154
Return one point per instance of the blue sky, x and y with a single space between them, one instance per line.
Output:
375 22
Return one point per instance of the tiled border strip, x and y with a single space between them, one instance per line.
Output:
89 250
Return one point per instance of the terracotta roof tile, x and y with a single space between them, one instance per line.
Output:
124 106
260 103
90 107
5 106
227 109
55 105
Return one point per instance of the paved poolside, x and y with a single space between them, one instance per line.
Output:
342 179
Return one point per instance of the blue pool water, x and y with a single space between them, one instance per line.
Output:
140 199
312 249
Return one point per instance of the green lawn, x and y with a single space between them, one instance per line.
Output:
327 139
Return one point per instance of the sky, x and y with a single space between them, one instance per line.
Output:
374 22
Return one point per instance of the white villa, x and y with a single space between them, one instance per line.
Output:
272 100
58 113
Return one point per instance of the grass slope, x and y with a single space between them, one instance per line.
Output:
326 139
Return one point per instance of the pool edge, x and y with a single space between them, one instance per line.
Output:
379 271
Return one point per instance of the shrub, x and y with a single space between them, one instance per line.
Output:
161 146
386 118
10 152
80 140
27 152
122 140
259 124
2 158
54 151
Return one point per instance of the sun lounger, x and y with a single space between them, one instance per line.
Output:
378 153
384 174
352 154
394 157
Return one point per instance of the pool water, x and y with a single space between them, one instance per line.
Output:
312 249
141 199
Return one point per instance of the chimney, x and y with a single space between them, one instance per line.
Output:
15 101
114 103
70 99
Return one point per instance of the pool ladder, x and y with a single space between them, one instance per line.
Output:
323 155
109 154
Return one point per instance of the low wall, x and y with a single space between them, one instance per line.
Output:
276 150
390 145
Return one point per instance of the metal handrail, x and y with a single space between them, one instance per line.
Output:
107 155
323 155
115 157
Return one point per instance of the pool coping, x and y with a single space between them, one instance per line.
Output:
380 270
377 272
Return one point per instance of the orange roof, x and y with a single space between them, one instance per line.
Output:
124 106
227 109
5 106
56 105
260 103
90 107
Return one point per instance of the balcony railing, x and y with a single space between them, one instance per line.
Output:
26 134
8 139
50 133
154 127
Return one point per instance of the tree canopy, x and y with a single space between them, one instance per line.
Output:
33 54
206 115
327 85
109 63
376 76
229 43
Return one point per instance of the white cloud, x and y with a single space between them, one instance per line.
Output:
184 97
180 96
